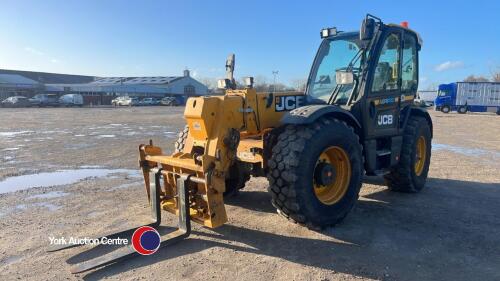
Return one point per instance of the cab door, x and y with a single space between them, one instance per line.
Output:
381 110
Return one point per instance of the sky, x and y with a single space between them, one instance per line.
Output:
162 38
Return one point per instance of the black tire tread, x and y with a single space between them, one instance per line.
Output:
181 140
285 159
400 177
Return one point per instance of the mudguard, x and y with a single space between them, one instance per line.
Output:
419 111
310 113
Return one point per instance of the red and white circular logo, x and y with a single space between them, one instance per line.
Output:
146 240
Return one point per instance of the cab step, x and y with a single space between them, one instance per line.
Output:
382 172
383 152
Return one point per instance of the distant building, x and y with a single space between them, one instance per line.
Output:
17 85
50 78
101 90
428 96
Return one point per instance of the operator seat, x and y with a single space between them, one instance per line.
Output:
383 75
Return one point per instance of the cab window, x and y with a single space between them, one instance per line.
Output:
409 67
443 93
386 73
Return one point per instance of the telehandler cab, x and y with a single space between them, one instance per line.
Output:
356 117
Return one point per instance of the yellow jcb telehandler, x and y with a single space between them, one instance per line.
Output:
355 117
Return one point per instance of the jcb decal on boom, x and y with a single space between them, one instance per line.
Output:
287 103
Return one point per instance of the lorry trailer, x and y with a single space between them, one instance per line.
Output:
463 97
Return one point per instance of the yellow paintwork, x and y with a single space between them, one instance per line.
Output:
421 154
210 119
333 192
407 98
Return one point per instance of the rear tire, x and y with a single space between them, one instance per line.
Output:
293 172
462 110
410 174
445 109
239 172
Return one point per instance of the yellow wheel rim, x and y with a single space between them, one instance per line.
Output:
332 175
421 151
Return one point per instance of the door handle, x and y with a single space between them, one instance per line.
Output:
372 109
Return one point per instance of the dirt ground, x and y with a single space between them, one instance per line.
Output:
449 231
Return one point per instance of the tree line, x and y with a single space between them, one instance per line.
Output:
494 77
261 84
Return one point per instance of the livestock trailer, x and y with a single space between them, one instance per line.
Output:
468 96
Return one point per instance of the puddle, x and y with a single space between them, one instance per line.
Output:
50 206
170 134
93 214
137 174
11 260
13 134
465 150
54 132
21 207
60 177
79 135
106 136
44 139
49 195
33 206
90 167
10 149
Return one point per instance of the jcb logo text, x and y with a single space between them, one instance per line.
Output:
287 103
385 120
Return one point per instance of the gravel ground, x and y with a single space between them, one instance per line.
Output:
449 231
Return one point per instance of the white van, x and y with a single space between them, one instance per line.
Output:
71 100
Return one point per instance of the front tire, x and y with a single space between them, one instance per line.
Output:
315 172
410 174
445 109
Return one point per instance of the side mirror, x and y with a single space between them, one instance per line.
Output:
343 77
367 29
248 82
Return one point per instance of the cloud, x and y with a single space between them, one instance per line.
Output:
447 65
43 55
34 51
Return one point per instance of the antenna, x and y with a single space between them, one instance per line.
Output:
275 73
